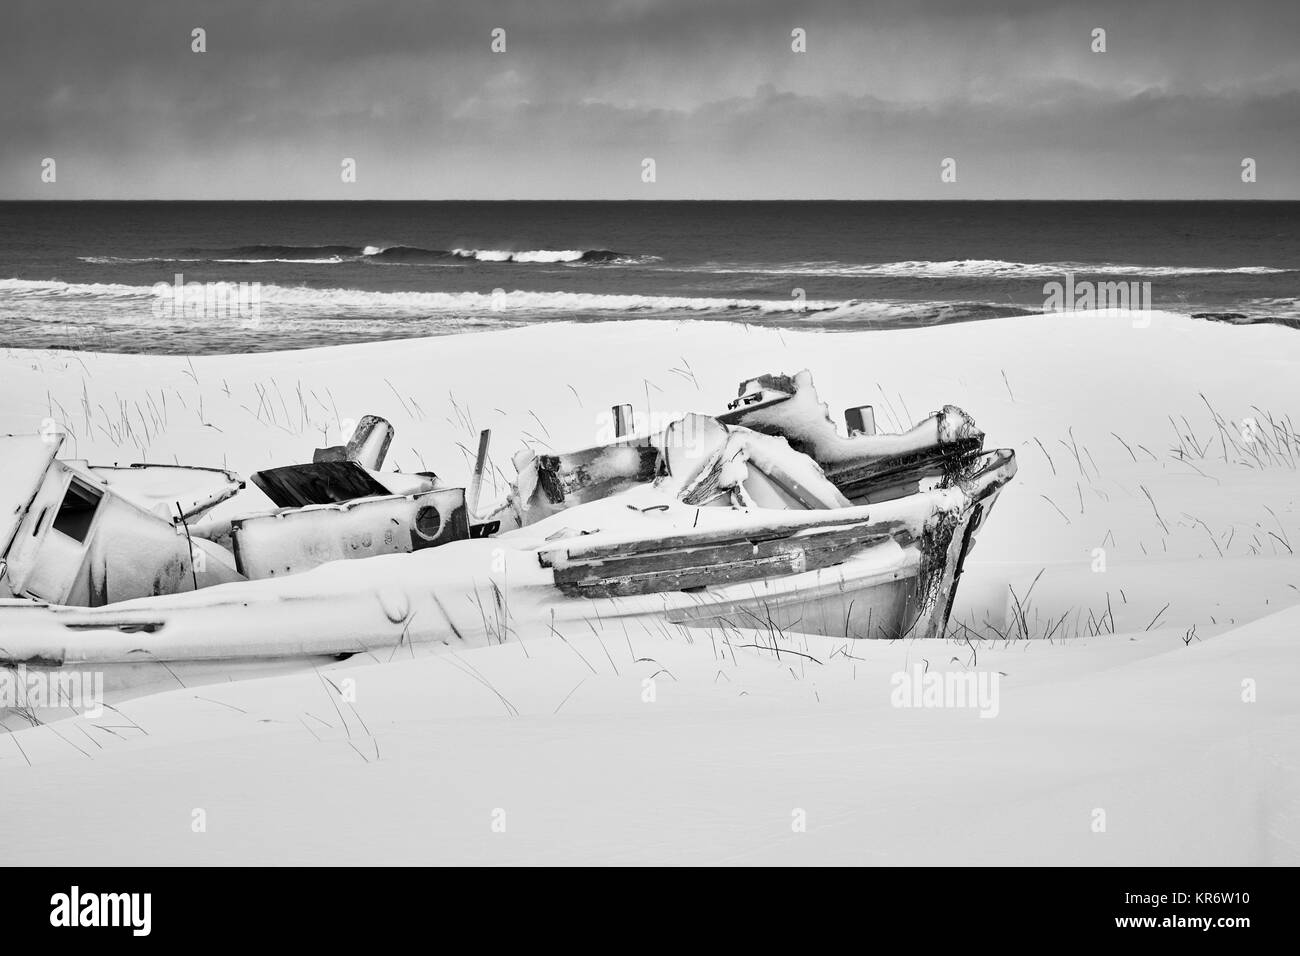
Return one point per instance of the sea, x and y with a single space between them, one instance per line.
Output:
198 278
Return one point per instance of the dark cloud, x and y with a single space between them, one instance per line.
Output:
588 88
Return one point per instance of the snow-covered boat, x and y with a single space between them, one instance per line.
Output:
866 465
707 523
77 534
882 571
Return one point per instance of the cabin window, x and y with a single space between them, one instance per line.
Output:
77 510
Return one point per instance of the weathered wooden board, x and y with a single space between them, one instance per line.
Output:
861 479
575 551
721 563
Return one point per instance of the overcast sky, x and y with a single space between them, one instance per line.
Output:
587 89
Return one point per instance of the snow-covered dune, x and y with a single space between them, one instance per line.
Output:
1148 536
674 747
1144 438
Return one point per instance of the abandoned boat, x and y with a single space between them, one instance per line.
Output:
84 535
883 571
865 465
76 534
765 517
736 528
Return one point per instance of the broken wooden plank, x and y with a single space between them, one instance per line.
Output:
716 567
849 476
739 550
576 551
480 463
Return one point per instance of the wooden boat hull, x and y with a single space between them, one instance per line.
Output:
351 607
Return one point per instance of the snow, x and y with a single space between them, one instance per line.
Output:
1153 515
560 736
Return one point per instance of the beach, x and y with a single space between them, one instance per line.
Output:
1135 586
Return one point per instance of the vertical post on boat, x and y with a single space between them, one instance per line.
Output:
180 513
476 483
623 424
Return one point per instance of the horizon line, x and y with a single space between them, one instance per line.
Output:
1205 199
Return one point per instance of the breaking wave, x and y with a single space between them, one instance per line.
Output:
984 269
39 289
331 254
909 269
415 254
303 301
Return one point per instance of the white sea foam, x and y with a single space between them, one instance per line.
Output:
360 299
530 255
330 260
41 289
983 269
398 255
114 260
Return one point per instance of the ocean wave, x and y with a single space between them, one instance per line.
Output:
274 253
39 289
984 269
306 301
550 256
524 256
407 254
305 296
334 254
226 258
114 260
